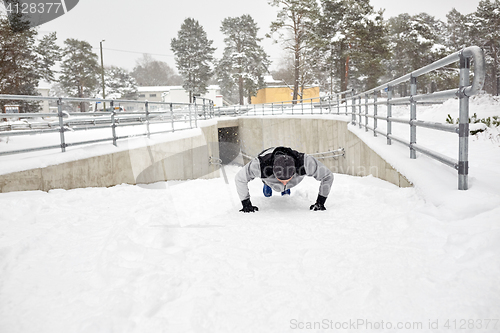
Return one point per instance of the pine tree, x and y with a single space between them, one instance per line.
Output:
227 83
365 34
256 68
151 72
244 61
193 56
119 83
79 70
18 75
49 53
352 35
456 36
328 42
24 61
416 41
486 34
297 18
458 30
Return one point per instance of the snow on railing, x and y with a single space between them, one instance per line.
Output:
148 114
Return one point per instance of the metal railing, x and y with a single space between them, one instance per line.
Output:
325 105
463 92
167 114
355 109
294 107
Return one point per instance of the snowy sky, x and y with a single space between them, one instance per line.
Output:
147 26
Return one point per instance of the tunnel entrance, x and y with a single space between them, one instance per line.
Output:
229 144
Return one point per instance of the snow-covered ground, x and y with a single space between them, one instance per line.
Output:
180 257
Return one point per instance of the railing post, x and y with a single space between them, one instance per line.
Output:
413 116
359 114
172 115
353 108
346 99
389 114
147 119
61 124
190 121
338 103
195 114
113 125
366 112
463 123
204 112
375 113
312 107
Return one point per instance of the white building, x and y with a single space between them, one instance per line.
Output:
44 89
176 94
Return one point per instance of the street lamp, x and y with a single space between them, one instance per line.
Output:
102 75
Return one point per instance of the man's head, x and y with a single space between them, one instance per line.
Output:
284 168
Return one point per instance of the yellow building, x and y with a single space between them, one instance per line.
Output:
281 93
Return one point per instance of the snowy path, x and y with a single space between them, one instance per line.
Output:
179 257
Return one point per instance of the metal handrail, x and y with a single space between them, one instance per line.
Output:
330 154
324 155
463 92
76 121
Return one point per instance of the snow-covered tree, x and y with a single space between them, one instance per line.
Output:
151 72
486 34
351 40
18 75
79 70
119 83
458 30
49 53
244 62
193 56
227 83
295 24
415 41
24 61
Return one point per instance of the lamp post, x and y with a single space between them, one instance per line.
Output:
102 76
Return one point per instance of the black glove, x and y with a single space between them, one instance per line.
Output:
320 203
247 207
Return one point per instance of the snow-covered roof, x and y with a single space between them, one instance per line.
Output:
168 88
44 85
269 80
158 88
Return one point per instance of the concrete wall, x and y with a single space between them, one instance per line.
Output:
182 159
315 136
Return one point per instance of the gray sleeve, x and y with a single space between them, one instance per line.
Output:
320 172
249 172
